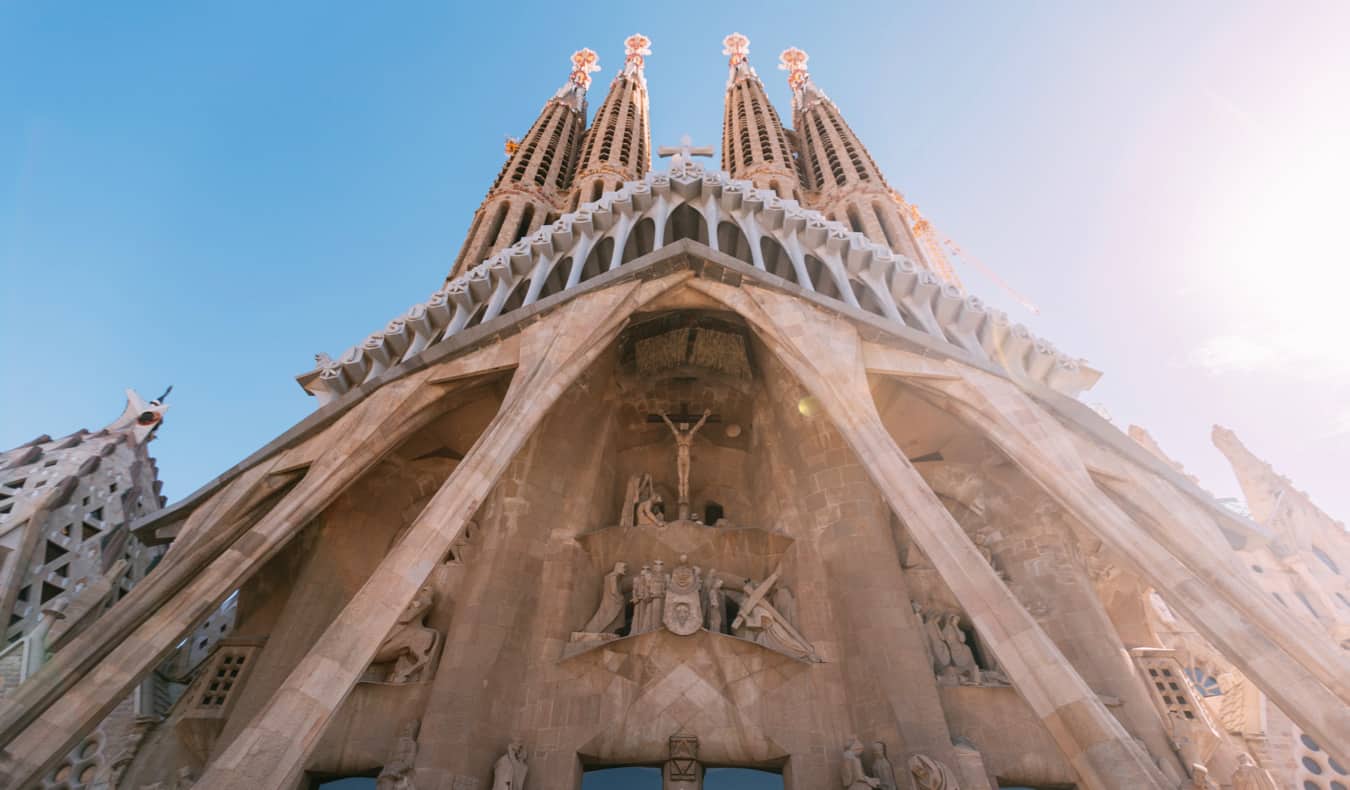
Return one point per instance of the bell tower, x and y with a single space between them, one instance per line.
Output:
532 186
754 144
618 146
838 175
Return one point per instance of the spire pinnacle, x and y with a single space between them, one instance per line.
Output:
635 48
738 47
793 61
584 61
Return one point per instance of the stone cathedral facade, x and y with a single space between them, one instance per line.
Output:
693 468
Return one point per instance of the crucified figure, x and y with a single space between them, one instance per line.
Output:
684 442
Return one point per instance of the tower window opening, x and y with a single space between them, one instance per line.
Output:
523 227
854 221
883 219
489 242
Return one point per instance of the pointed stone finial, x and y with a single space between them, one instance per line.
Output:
793 61
737 47
635 48
584 61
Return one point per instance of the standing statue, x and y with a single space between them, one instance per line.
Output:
854 778
397 772
882 768
717 605
929 774
639 600
608 617
937 646
967 671
410 643
684 442
509 772
1250 776
656 595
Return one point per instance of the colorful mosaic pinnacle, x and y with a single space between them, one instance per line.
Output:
584 61
738 47
793 61
636 48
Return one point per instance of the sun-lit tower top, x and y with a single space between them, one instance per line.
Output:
618 145
531 188
754 144
838 175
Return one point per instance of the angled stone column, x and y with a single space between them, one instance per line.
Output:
272 750
93 673
825 354
46 717
1287 662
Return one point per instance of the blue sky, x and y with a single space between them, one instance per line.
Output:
207 195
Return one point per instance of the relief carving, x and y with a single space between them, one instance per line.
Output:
410 643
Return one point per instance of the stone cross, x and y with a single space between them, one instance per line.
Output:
684 154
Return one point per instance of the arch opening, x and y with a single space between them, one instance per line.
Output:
732 241
686 223
641 240
776 259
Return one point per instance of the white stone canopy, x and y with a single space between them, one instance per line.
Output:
773 234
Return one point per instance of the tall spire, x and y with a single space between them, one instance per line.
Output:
532 186
838 174
617 147
754 144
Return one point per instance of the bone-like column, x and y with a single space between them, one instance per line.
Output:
46 717
1304 676
272 749
825 354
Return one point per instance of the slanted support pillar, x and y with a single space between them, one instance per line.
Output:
825 353
1306 677
44 718
272 749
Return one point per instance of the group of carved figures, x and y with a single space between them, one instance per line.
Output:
952 658
928 774
685 600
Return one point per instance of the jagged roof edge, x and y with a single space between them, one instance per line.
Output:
659 263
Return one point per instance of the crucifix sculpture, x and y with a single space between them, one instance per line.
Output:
684 154
684 426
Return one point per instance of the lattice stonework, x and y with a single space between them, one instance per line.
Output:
222 674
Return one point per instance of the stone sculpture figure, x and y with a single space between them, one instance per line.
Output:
853 776
609 616
929 774
651 512
760 622
937 646
509 772
882 768
1250 776
410 642
684 443
656 595
717 605
397 772
638 598
682 610
963 659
